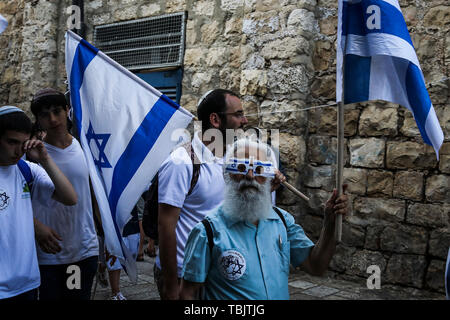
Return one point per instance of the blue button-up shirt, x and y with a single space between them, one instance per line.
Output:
247 261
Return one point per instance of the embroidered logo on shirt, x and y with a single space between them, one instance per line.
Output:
4 199
232 264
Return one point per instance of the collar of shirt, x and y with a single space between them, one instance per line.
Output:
230 222
204 155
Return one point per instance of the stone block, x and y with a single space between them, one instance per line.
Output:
435 275
324 120
404 239
323 55
379 209
303 20
317 200
380 183
320 177
410 155
356 180
204 8
406 269
428 215
284 116
253 82
368 153
438 17
342 258
353 235
231 5
292 149
444 163
409 127
285 80
438 188
408 185
378 121
362 259
210 32
285 48
439 243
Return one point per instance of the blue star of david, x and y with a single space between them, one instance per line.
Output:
100 140
4 198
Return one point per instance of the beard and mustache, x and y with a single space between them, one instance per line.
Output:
247 200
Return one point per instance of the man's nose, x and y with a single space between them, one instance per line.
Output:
249 174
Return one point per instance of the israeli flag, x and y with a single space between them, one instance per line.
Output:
126 129
3 24
375 48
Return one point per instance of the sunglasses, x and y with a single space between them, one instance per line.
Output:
242 166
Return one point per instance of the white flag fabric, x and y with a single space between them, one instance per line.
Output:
125 127
3 24
375 49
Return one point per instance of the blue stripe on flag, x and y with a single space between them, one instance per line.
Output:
392 21
139 146
418 98
356 78
84 54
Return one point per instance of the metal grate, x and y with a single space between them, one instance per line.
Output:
145 43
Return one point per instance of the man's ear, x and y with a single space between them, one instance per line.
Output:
214 119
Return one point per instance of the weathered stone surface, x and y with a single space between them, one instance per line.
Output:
438 16
428 215
231 5
378 121
323 150
439 243
210 32
367 153
320 177
285 80
285 48
408 185
406 269
283 115
438 188
435 274
362 259
317 200
204 8
342 258
322 58
303 20
323 121
292 149
409 127
253 82
380 183
382 209
444 163
404 239
353 235
409 155
356 179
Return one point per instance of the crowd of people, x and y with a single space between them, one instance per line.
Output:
220 234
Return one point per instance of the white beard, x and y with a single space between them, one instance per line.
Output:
249 205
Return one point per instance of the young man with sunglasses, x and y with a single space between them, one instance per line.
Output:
244 248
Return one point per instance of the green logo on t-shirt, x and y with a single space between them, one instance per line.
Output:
25 191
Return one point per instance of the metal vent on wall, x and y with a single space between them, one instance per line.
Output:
145 43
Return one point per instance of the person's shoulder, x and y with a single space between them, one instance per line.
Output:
288 217
179 156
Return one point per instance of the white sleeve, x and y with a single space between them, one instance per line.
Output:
174 179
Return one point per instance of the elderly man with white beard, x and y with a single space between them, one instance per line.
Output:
243 249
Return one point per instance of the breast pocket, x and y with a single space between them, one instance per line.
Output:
285 256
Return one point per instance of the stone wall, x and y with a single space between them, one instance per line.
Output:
279 55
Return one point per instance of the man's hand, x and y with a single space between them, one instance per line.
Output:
279 179
336 205
47 238
35 150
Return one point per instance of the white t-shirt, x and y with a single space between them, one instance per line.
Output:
75 224
174 182
19 271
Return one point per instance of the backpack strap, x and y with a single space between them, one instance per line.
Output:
26 172
195 169
281 216
209 234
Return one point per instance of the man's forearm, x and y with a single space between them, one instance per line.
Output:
64 191
323 251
